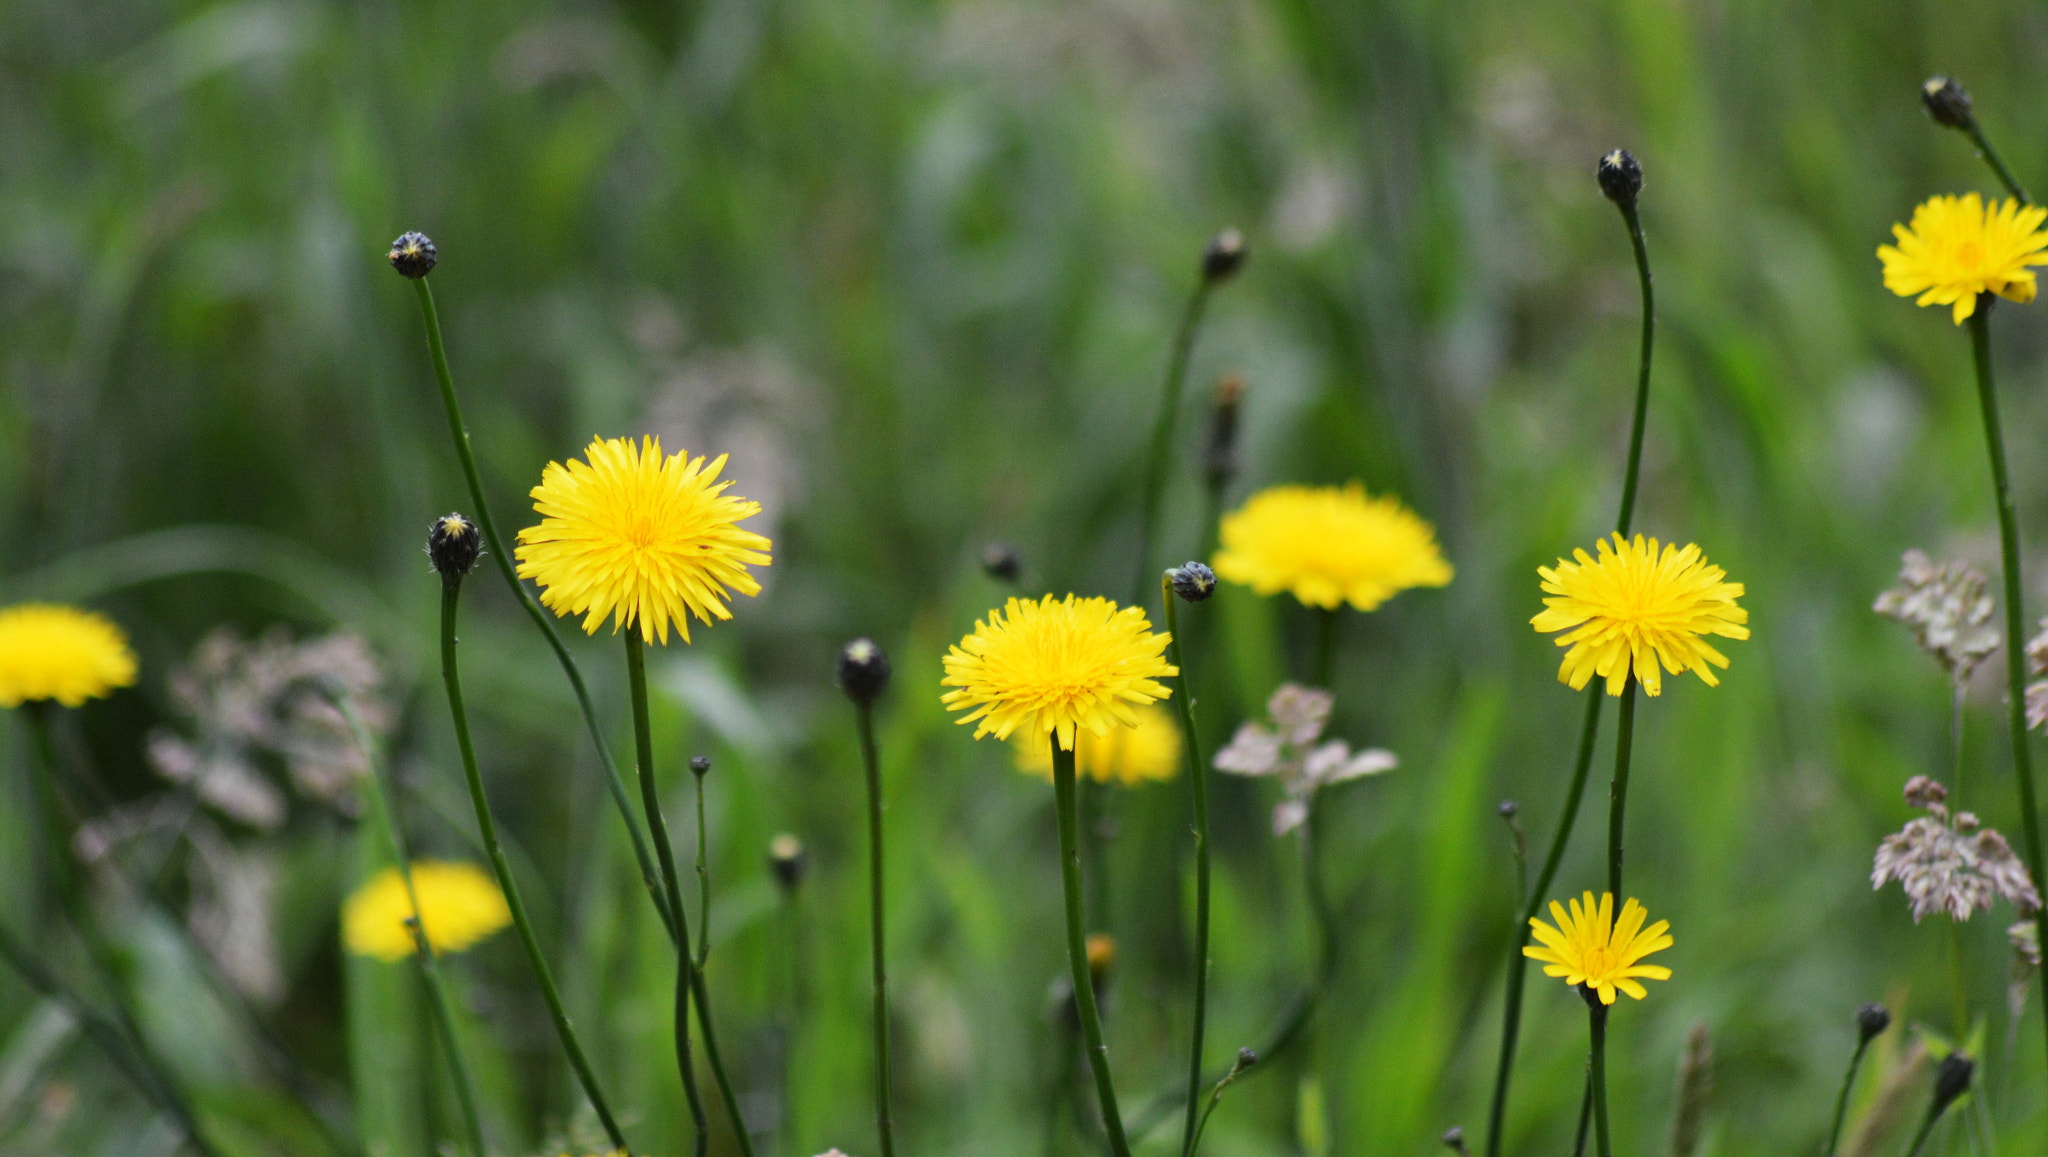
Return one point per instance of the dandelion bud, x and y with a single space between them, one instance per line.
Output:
1246 1058
700 766
1621 178
1509 809
1192 581
999 561
1947 102
1952 1078
1454 1140
1872 1019
863 671
453 543
414 255
1221 460
1223 256
787 861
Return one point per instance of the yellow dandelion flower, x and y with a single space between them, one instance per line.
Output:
460 905
1053 666
1590 947
1634 606
645 539
1328 545
1957 248
1128 756
61 653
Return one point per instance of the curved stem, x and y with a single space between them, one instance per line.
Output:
1842 1098
1597 1013
1077 948
1161 448
1649 337
451 678
1198 780
2015 618
495 547
1617 792
864 713
1996 162
686 972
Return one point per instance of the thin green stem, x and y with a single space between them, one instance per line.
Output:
1326 647
1842 1098
1617 792
864 713
1997 163
1640 422
1191 1133
1077 948
451 679
2015 617
1160 452
1597 1015
385 822
1585 1117
71 893
459 433
686 972
703 882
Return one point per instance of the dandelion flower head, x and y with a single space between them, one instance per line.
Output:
61 653
1329 545
1637 604
1126 756
645 539
1958 247
1056 666
460 904
1589 947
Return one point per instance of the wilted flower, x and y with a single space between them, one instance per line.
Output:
1949 863
1288 749
1949 610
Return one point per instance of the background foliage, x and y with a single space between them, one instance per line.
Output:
914 264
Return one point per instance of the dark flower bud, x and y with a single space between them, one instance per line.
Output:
1509 809
863 671
1192 581
1621 178
1952 1078
1246 1058
1872 1019
787 861
1454 1139
1947 102
999 561
453 542
414 255
1223 256
700 766
1221 460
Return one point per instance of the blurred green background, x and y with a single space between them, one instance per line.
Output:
915 265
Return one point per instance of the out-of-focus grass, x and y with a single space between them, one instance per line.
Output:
915 266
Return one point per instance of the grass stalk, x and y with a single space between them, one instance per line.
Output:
1198 782
1077 948
864 713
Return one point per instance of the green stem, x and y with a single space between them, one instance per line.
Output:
1617 792
1326 647
1160 451
1585 1117
1842 1098
71 893
650 799
2015 618
495 547
100 1030
1996 162
1633 474
864 712
1077 948
1597 1013
703 882
382 819
1191 1133
451 678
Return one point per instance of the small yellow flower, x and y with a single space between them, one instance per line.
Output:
61 653
1059 667
1633 607
1589 947
1329 545
1957 248
461 904
1128 756
645 539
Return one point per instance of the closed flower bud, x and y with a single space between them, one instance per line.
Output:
1223 256
863 671
700 766
1947 102
1192 581
1952 1078
787 861
1509 809
414 255
999 561
1871 1020
1621 178
1246 1058
1454 1139
453 543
